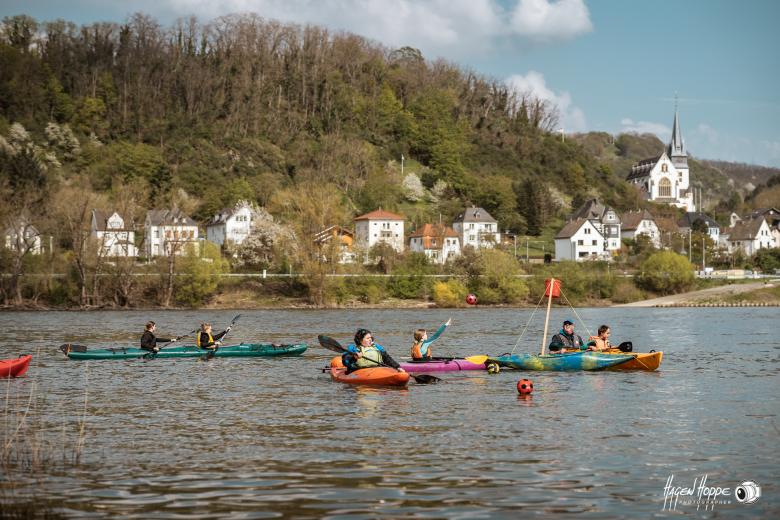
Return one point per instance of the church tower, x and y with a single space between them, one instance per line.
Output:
676 149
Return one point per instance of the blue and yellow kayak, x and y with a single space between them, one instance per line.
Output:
584 360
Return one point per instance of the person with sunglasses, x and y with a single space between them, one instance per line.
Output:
601 342
364 353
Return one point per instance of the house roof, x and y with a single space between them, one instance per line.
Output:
101 220
474 214
433 235
572 227
168 217
746 230
331 232
380 214
643 167
225 213
592 209
689 219
632 219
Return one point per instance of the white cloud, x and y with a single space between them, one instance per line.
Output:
708 133
545 20
572 118
449 28
646 127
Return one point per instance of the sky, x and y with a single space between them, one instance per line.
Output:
608 65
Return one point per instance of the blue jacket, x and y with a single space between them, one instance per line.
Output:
348 358
427 342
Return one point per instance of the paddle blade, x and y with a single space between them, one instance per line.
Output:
331 344
70 347
626 346
425 379
477 360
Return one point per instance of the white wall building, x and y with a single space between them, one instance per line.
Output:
751 235
579 240
665 178
605 219
231 224
379 226
691 220
169 232
114 237
635 223
437 241
477 228
21 236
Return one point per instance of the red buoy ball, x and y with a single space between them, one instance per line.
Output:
471 299
525 386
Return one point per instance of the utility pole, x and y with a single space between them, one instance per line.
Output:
703 264
402 165
526 250
563 136
689 244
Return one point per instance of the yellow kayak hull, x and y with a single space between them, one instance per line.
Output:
642 360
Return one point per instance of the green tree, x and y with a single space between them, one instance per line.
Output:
666 272
199 274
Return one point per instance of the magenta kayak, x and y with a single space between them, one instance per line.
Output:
442 365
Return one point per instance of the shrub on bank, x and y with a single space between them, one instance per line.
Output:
666 272
451 293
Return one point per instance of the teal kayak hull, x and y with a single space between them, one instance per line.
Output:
242 350
561 362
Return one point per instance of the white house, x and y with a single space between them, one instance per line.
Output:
21 236
751 235
772 217
168 232
641 222
437 241
665 178
605 219
579 240
476 228
231 224
113 236
691 220
379 226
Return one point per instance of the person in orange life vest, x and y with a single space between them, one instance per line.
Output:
421 349
601 342
205 339
149 341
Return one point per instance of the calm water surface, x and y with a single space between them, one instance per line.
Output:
261 438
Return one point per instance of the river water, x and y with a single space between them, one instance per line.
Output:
263 438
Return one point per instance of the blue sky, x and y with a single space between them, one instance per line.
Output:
609 65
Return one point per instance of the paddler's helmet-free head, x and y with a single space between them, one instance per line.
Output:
361 334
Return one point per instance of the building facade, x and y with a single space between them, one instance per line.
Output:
231 225
22 237
477 228
635 223
438 242
605 219
665 178
114 236
169 232
379 226
579 240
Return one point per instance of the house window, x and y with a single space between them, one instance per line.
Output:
472 238
595 242
471 226
664 188
580 242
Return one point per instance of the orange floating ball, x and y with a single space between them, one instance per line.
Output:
471 299
525 386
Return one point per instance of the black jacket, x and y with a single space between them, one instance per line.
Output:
204 339
563 340
149 340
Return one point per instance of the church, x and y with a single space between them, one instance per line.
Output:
665 178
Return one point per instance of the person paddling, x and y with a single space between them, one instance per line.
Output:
149 341
421 348
206 340
367 354
601 342
566 340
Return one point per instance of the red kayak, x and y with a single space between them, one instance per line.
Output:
15 367
379 376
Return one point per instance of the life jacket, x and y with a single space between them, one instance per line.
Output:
417 351
371 357
600 344
210 341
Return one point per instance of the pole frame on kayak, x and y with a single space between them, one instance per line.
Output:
547 319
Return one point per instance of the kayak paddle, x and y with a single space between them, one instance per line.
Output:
153 355
335 346
213 352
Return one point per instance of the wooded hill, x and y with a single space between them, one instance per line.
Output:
201 115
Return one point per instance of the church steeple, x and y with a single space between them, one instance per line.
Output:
676 149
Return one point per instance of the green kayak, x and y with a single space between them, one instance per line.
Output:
242 350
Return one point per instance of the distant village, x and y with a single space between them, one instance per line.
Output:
593 232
